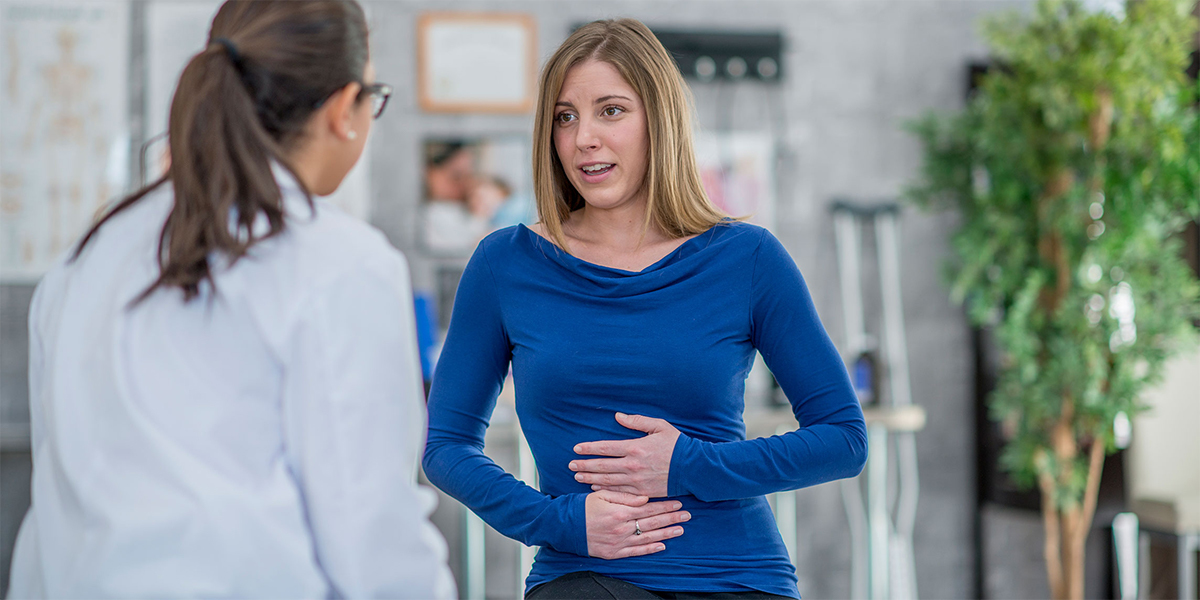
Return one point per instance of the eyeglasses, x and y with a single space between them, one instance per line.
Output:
380 93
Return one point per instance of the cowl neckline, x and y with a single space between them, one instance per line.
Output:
557 254
681 263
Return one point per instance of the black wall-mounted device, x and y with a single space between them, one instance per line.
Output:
734 56
724 55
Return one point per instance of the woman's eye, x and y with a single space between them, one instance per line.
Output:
612 111
564 117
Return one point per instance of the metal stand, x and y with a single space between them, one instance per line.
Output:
474 556
882 566
784 506
527 472
1132 536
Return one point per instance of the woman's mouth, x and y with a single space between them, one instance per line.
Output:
595 172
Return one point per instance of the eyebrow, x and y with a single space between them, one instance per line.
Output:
612 97
599 100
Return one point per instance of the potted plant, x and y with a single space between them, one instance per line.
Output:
1072 169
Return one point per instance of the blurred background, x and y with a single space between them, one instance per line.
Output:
801 105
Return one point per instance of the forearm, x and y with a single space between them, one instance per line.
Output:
511 507
831 442
469 376
731 470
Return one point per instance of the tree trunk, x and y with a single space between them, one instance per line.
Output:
1067 521
1052 549
1066 525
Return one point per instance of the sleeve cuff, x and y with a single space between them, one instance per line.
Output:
573 537
677 484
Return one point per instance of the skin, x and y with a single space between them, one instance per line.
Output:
639 466
600 119
334 138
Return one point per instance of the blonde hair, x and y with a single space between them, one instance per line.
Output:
676 202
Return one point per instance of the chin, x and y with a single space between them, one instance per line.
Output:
605 201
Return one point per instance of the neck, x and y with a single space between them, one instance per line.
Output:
619 228
308 166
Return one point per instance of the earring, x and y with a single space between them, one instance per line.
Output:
350 135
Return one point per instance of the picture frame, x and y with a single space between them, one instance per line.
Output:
473 186
476 62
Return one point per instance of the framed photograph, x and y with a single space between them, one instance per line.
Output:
476 62
474 186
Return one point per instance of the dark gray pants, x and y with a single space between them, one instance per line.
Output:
588 585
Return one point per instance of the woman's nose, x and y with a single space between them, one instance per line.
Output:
586 135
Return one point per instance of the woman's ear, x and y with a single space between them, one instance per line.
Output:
339 111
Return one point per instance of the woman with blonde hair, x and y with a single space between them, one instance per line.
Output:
630 315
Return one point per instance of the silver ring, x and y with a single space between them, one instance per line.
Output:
637 529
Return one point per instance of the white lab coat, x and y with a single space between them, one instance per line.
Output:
258 442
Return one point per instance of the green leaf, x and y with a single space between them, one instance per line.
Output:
1129 299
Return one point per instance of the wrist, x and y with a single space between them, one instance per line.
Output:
573 537
677 480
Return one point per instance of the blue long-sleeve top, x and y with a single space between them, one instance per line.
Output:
674 341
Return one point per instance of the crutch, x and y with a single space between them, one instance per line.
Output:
882 565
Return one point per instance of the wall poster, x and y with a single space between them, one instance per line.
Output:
738 172
64 135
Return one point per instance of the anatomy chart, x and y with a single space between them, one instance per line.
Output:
64 136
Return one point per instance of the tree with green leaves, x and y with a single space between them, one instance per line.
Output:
1073 168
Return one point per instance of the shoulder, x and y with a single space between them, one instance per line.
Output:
506 236
739 233
322 247
739 240
343 239
321 259
505 243
756 245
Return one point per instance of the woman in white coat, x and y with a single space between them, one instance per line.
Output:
224 384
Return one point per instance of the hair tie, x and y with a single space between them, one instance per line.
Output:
234 56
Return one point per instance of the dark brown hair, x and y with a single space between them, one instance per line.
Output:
240 105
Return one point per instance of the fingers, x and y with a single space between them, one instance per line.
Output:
650 540
622 498
652 509
607 480
640 423
658 535
614 448
598 465
619 447
664 522
627 489
621 525
639 550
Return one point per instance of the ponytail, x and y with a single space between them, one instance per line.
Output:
240 104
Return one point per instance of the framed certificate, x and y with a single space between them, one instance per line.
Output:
476 62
